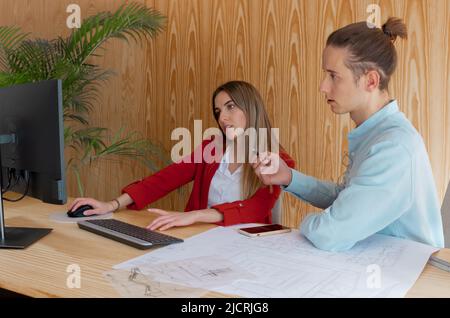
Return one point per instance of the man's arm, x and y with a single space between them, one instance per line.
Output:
379 194
318 193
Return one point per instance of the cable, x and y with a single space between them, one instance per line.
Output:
27 179
11 174
9 182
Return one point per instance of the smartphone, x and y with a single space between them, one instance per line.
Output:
264 230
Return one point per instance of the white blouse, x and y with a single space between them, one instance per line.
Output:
225 187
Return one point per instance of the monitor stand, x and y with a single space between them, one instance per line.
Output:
16 237
21 237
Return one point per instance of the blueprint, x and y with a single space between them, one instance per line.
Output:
204 272
286 265
132 283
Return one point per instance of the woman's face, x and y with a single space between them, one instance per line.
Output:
230 116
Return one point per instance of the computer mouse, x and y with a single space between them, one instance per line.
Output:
79 212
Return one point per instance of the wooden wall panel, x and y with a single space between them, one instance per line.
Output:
274 44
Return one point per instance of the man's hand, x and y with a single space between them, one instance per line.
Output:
272 170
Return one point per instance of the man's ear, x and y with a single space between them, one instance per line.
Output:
372 80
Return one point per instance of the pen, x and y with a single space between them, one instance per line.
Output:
439 263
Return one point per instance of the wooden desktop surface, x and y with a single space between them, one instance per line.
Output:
41 269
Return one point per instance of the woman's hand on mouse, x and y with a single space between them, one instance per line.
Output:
99 207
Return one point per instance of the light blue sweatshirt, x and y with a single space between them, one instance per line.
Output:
388 188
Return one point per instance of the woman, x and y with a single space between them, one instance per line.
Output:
388 187
224 193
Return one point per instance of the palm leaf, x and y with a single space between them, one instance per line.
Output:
134 20
10 37
89 142
23 60
8 79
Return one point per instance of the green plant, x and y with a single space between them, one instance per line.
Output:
24 60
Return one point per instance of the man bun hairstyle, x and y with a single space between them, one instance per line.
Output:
370 48
393 28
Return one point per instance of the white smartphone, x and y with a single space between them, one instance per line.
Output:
264 230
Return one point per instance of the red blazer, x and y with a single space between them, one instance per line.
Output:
256 209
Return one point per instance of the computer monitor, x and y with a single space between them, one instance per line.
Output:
32 150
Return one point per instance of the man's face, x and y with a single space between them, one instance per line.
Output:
342 93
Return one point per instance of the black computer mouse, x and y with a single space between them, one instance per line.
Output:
79 212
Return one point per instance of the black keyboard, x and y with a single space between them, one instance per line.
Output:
127 233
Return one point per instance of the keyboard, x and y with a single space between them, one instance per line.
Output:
127 233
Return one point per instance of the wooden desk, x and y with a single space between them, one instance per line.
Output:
40 270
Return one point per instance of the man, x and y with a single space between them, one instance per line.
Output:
388 186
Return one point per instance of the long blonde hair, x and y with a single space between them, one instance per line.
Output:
248 99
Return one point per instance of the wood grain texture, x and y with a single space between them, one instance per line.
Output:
274 44
42 270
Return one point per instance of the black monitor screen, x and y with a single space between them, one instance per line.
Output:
33 113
